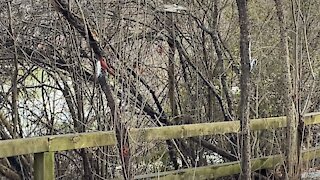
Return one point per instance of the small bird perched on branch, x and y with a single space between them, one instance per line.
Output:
102 65
87 32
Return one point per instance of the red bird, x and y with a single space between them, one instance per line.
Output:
104 66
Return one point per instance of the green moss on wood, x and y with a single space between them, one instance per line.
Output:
213 171
312 118
94 139
44 166
16 147
226 169
22 146
81 140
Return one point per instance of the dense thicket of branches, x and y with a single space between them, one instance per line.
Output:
173 64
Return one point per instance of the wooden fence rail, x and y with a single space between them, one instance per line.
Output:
226 169
44 147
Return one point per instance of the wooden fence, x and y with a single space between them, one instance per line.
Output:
44 147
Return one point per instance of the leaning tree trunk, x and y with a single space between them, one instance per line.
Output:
244 87
121 129
291 139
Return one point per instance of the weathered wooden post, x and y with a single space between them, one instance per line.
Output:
44 166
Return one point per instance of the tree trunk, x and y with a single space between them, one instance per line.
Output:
222 74
78 87
244 87
171 80
14 80
121 129
171 63
291 149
